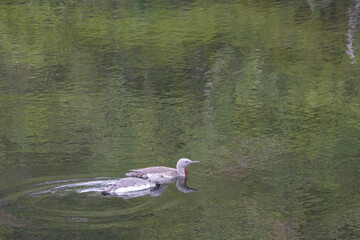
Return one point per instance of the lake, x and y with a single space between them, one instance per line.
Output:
265 94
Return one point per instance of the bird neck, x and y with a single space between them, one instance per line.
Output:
182 171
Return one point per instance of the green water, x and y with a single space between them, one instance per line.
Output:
265 94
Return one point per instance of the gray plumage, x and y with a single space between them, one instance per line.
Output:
131 184
167 172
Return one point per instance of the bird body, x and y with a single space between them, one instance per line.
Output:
131 184
167 172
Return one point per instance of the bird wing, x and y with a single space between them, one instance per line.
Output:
143 172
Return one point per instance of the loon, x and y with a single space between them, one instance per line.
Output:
170 173
131 184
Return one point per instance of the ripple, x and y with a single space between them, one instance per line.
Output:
79 187
71 203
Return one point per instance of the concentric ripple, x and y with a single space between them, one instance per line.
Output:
71 203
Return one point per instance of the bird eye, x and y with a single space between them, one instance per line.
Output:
187 161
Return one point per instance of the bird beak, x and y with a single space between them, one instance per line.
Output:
194 162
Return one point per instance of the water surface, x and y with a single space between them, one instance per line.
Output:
265 94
